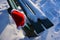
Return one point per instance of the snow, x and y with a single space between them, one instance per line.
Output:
8 30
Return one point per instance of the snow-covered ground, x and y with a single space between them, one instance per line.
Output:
8 30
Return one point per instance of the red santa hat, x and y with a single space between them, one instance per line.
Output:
19 18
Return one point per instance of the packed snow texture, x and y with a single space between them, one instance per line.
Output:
51 9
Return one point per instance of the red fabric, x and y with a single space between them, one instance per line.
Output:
18 17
